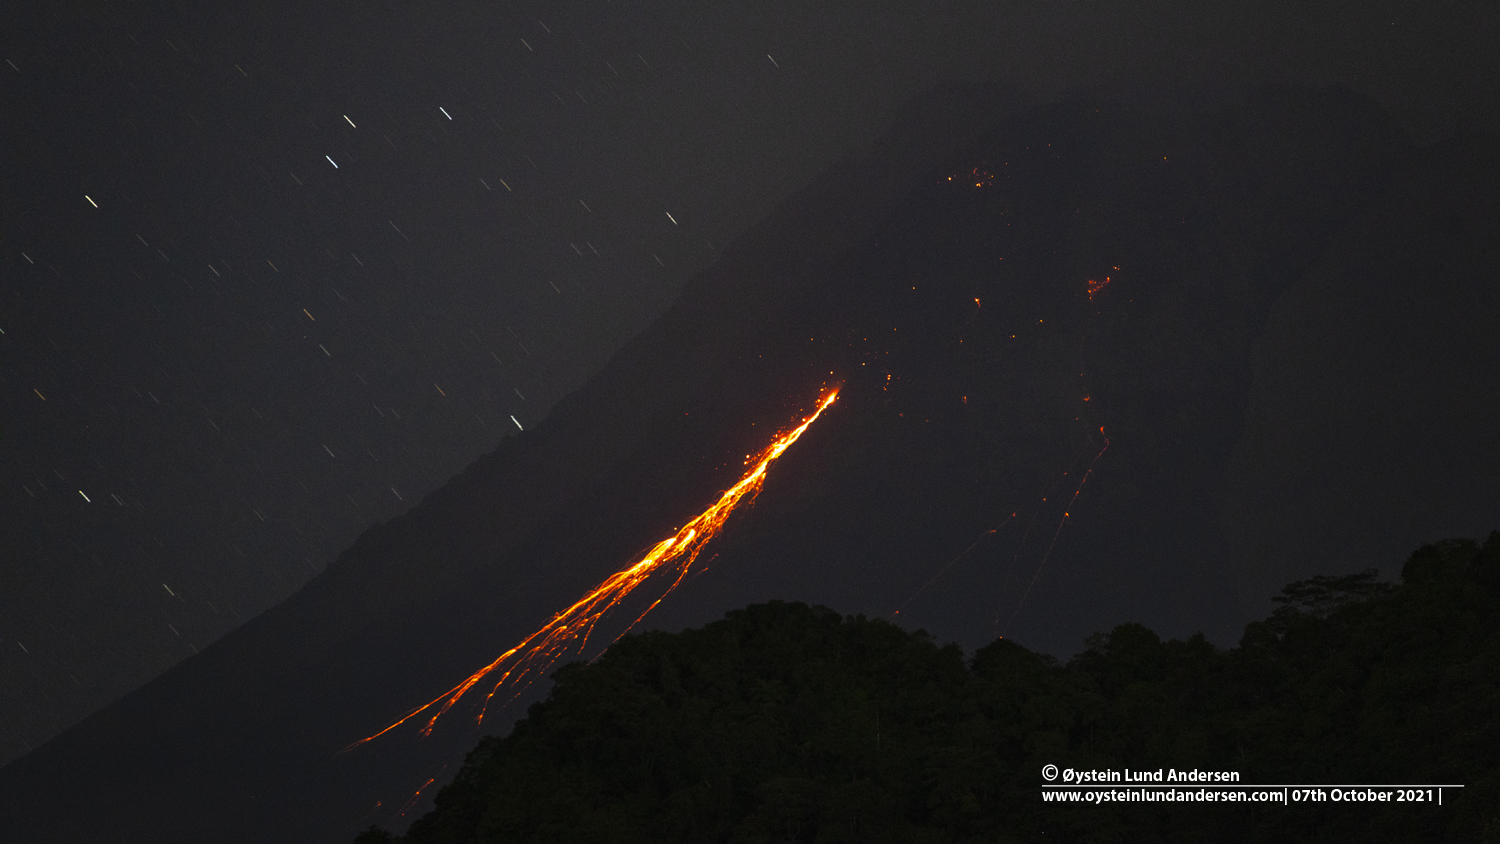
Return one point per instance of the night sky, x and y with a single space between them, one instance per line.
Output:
270 274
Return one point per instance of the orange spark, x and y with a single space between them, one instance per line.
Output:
1066 515
415 797
1096 286
982 177
571 628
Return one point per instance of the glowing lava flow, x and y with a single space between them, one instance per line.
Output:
542 649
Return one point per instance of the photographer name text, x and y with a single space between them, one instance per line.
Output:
1162 775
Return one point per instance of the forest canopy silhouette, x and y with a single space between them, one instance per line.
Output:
785 722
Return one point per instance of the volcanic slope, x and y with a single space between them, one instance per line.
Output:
1049 324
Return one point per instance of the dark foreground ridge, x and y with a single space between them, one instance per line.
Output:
785 722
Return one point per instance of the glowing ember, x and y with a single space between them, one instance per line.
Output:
418 795
1096 286
571 628
979 177
1067 514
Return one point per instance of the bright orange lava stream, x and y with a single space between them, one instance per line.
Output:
573 626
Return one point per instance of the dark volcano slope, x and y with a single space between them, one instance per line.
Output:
977 374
